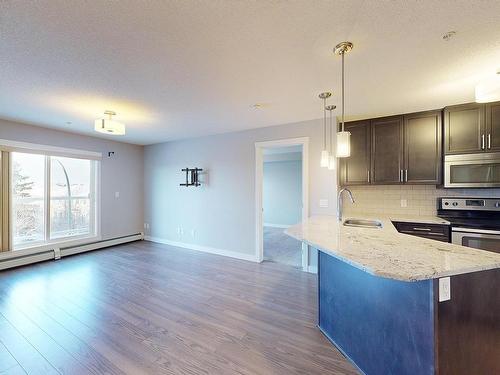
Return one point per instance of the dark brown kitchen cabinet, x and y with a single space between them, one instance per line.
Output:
493 127
422 148
387 150
464 129
355 170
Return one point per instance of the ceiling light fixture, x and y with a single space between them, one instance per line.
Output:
488 90
332 160
343 137
325 157
108 126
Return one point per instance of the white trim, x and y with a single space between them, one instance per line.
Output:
8 145
259 175
284 226
204 249
312 269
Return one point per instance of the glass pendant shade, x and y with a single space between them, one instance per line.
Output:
332 162
325 159
488 90
343 144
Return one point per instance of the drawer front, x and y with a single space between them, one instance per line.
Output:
437 232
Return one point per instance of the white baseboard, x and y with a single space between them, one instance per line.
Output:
312 269
205 249
284 226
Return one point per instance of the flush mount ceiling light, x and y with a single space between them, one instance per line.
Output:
325 157
488 90
343 137
108 126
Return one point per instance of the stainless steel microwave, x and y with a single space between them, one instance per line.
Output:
472 170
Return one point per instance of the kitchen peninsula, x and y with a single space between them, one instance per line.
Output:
386 302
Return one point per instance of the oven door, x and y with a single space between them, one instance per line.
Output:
477 238
473 170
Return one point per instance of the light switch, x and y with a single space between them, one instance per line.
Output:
323 203
444 289
404 203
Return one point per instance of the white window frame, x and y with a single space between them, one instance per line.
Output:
48 151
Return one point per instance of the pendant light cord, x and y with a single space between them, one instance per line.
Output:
331 131
324 124
343 103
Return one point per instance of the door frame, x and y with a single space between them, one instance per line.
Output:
259 176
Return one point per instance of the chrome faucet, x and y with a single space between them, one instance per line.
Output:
339 201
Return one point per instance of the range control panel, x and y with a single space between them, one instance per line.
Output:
476 204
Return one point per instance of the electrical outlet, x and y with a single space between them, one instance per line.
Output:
117 194
193 233
444 289
146 225
323 203
404 203
180 231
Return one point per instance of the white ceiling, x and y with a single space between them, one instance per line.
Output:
178 69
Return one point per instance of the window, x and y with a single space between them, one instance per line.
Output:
53 199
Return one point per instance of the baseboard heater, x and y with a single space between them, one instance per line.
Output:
11 260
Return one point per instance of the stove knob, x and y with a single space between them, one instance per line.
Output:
446 203
455 203
497 204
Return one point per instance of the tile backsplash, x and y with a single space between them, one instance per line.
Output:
421 200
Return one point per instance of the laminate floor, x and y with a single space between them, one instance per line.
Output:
146 308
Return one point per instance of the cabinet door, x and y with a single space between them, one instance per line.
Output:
387 150
493 126
464 129
422 148
355 170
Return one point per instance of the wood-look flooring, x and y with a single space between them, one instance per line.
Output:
145 308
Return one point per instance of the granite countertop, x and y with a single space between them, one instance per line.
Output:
387 253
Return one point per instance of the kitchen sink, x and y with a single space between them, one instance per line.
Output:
363 223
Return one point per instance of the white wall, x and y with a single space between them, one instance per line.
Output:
123 172
222 213
282 192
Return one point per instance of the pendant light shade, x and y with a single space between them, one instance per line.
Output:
343 144
488 90
325 155
343 137
108 126
325 158
332 159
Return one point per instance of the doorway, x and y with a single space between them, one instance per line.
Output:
281 200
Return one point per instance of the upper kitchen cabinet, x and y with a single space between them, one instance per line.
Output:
355 169
422 148
464 129
493 126
387 150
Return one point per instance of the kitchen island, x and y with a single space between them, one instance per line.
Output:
379 299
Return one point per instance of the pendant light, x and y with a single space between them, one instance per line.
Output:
325 157
109 126
343 137
332 160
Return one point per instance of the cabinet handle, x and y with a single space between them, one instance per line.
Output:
482 142
489 141
368 175
400 175
406 175
423 229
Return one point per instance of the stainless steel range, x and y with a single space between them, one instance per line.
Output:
475 222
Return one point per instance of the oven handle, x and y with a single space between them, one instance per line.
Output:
474 230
